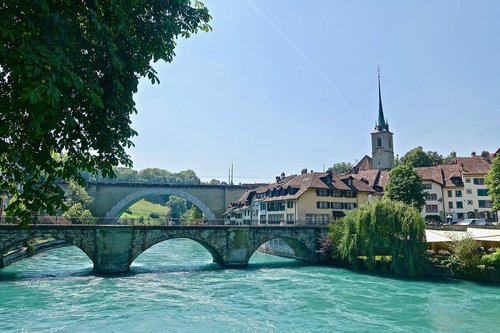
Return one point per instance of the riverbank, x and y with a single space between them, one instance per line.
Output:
440 266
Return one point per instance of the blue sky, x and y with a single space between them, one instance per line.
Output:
281 85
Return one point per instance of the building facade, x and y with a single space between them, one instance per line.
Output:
308 198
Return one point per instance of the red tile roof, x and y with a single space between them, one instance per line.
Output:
473 165
366 163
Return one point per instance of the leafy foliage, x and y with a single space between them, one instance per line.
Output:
341 167
68 72
464 252
405 185
78 201
418 158
492 259
385 228
176 207
492 182
192 216
153 175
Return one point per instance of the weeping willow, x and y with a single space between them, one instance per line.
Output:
385 228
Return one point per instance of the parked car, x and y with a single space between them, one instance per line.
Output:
473 222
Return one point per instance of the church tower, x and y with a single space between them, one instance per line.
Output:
382 145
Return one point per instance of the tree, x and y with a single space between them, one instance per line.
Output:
450 158
492 182
68 72
418 158
405 185
77 201
385 228
176 206
341 167
193 216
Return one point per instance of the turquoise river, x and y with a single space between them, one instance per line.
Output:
174 287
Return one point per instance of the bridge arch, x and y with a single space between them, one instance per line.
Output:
299 247
216 253
117 210
21 239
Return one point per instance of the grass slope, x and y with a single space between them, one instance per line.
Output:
144 208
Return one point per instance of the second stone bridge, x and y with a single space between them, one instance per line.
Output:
112 249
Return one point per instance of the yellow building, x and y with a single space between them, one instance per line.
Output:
308 198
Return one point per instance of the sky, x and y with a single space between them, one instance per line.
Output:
282 85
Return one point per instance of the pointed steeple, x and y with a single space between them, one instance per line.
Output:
382 124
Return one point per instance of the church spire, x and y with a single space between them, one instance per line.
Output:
382 124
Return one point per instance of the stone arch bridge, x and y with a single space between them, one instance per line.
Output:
111 199
113 248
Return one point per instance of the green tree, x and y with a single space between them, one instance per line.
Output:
385 228
176 206
77 201
492 182
193 216
405 185
450 158
77 194
418 158
68 72
341 167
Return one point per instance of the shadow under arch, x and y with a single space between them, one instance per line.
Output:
20 239
216 255
18 252
117 210
300 250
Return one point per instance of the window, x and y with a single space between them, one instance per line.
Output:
379 142
290 217
263 206
450 205
324 218
478 181
337 205
350 205
450 193
468 191
469 202
427 186
458 193
431 208
276 206
323 205
460 204
482 192
289 204
321 192
350 194
467 180
310 218
430 196
274 218
485 204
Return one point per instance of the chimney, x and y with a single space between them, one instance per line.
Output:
303 172
278 178
282 175
473 154
312 171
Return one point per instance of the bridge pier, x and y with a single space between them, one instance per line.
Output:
238 250
112 250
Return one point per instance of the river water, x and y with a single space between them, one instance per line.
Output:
174 287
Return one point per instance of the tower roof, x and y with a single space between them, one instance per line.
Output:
382 124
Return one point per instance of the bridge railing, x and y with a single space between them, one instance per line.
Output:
149 221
